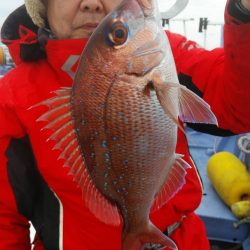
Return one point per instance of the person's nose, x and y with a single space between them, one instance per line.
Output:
91 5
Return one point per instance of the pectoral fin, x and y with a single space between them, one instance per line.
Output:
194 109
168 97
178 101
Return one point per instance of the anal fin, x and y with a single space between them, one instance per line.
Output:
174 182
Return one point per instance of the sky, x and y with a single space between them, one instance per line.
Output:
212 9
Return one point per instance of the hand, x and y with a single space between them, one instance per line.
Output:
246 4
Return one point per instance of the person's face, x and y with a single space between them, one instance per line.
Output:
77 18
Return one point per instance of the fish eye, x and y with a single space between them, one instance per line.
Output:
118 33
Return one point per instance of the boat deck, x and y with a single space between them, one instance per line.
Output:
218 218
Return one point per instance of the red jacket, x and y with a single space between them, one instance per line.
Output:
35 187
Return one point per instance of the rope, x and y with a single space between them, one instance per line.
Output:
244 146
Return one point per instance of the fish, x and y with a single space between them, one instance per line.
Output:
117 125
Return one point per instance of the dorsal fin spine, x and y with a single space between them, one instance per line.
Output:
64 140
60 121
67 126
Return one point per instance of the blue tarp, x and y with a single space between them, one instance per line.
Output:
4 69
217 216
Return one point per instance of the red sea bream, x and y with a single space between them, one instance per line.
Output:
117 126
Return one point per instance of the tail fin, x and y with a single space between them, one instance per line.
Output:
151 235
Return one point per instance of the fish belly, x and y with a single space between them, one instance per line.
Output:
128 143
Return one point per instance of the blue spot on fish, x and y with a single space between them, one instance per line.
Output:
107 157
105 186
104 144
130 67
83 121
125 162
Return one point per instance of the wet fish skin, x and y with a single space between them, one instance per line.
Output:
129 135
124 109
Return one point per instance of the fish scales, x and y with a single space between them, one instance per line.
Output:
134 136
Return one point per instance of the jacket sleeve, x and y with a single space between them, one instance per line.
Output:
221 76
14 228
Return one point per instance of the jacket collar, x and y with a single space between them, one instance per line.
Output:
63 56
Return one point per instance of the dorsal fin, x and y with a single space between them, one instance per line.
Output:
174 182
60 121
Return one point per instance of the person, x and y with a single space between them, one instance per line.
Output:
46 44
